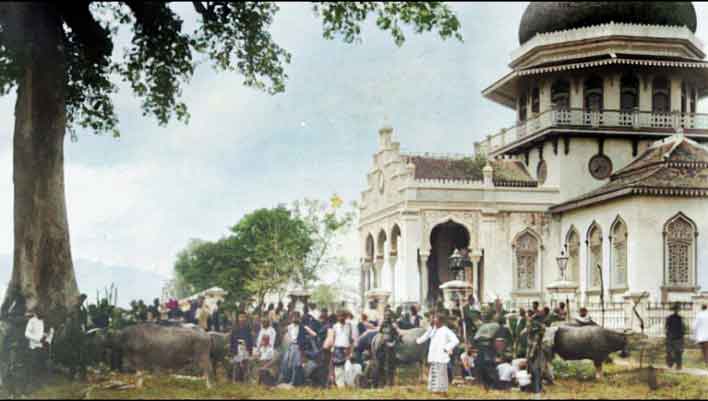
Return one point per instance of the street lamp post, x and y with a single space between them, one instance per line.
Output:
562 261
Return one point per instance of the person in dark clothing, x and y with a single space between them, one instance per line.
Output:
241 336
154 309
415 318
675 332
485 364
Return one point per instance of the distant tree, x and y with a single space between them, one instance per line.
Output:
325 295
327 222
274 244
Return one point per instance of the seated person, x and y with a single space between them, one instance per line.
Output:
467 359
506 374
523 377
265 349
584 319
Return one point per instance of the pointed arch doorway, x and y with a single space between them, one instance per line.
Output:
444 239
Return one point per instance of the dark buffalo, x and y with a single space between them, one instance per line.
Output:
592 342
154 347
408 352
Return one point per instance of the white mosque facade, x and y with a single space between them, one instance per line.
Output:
605 165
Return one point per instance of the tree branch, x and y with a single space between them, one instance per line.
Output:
94 39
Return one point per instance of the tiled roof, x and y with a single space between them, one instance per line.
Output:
676 166
505 172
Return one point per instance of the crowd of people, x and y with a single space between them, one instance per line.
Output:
487 345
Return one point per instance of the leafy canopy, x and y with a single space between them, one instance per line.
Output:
234 36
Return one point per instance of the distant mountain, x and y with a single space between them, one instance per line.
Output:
92 276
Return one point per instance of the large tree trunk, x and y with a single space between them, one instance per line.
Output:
43 273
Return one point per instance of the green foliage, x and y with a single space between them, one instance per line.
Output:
234 36
274 245
325 296
325 223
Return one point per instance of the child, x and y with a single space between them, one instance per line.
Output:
265 348
467 359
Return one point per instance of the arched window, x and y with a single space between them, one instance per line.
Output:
680 251
535 100
619 254
526 250
560 95
523 106
594 256
661 98
593 90
629 93
573 267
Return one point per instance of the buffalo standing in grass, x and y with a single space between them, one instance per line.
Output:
150 346
574 343
407 352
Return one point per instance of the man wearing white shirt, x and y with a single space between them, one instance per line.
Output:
700 330
442 343
38 340
343 336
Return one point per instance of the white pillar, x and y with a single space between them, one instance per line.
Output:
409 285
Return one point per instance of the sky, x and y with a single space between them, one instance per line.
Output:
137 200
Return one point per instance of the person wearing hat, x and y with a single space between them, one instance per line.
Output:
675 332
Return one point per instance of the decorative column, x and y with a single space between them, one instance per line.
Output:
424 277
392 259
377 301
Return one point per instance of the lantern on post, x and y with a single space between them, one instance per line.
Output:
458 262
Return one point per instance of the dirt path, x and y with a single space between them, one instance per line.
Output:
686 371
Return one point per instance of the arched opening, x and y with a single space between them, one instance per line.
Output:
572 243
395 235
661 97
560 95
629 93
594 267
369 262
379 263
593 90
619 254
444 239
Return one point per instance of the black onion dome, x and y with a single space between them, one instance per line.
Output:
549 16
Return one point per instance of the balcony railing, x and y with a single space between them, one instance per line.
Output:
594 119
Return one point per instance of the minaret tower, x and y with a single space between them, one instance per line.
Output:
594 83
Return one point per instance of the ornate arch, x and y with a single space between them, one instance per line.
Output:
618 236
595 255
395 235
572 247
434 219
680 234
527 249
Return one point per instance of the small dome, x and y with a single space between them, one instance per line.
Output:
550 16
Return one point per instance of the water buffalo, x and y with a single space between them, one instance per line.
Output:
154 347
592 342
408 351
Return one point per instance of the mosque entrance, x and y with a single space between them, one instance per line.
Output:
444 239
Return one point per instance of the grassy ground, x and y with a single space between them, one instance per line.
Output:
574 381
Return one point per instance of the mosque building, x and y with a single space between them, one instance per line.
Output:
605 165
